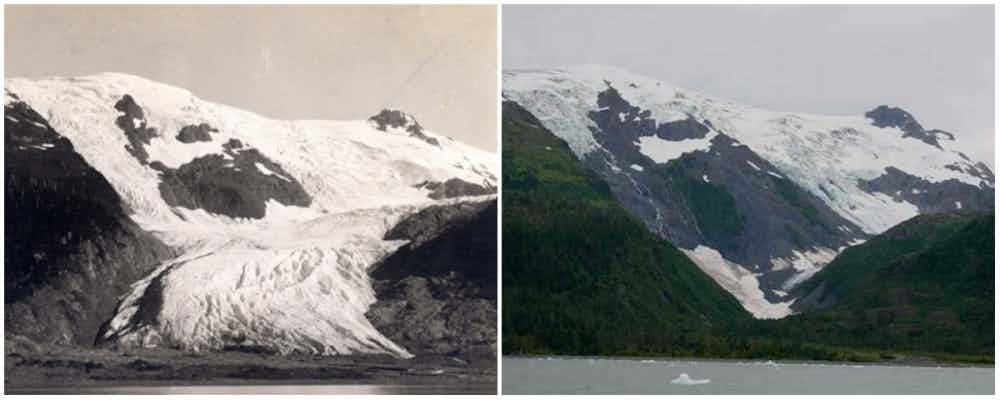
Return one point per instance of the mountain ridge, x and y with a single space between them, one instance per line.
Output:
272 222
925 289
800 187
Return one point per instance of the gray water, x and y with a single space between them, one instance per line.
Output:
572 375
263 389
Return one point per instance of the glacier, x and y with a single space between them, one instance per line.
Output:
809 149
827 156
295 280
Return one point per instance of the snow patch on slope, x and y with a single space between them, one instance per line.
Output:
662 151
805 263
739 281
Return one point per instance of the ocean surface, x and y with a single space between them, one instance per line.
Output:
576 375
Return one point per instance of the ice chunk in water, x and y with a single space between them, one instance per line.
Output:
684 379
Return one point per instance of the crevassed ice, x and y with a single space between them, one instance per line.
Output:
295 280
812 150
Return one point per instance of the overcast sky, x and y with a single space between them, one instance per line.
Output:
319 62
935 62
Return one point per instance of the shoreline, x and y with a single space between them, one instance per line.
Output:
62 369
254 387
914 362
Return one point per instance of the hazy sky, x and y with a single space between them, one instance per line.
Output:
319 62
935 62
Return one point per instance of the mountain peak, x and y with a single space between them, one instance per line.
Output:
391 118
399 120
885 116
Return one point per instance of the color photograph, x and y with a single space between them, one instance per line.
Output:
748 200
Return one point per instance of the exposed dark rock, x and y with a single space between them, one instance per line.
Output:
196 133
232 144
981 171
399 120
237 183
942 134
237 187
159 166
454 187
71 248
932 197
149 307
392 118
683 129
437 294
133 122
713 197
431 222
894 117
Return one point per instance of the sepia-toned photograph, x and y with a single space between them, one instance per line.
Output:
250 199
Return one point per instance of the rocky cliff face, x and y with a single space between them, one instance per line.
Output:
70 248
437 295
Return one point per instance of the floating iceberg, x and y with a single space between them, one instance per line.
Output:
684 379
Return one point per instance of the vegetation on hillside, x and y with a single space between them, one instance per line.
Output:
582 276
924 285
712 205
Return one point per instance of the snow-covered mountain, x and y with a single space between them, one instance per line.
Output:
276 223
760 199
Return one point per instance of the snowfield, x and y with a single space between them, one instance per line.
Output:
293 281
809 149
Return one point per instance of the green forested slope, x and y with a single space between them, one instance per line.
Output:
926 285
581 275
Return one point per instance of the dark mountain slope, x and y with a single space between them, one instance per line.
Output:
724 198
70 247
925 285
437 294
581 275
